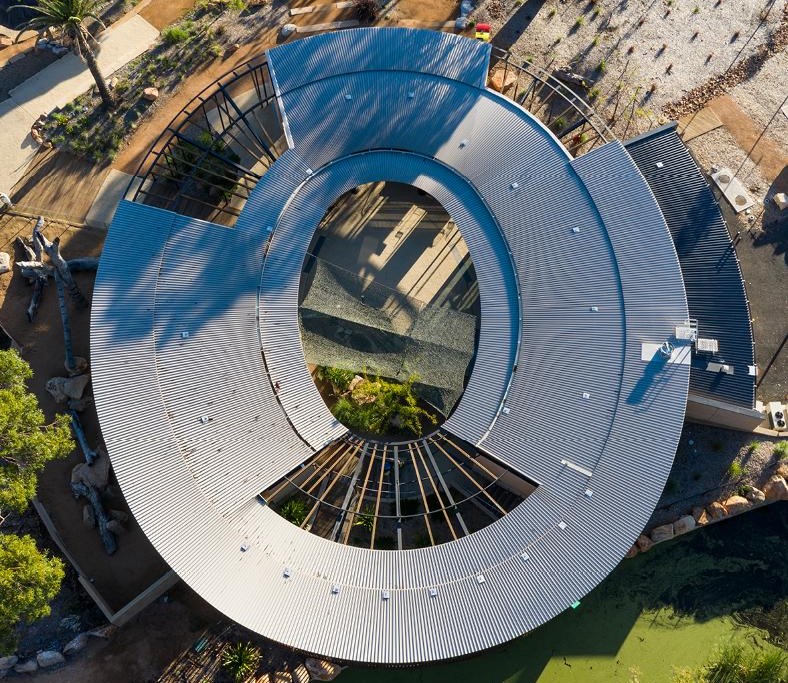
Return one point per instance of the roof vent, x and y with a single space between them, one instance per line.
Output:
184 335
411 95
506 410
586 395
463 143
524 556
562 525
514 186
244 547
334 590
480 579
659 164
588 493
433 592
204 419
286 572
595 309
385 595
348 96
575 230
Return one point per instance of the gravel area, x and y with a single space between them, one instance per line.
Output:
704 470
763 94
647 52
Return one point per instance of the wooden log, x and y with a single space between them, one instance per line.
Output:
102 519
34 269
35 300
71 364
79 433
30 255
52 249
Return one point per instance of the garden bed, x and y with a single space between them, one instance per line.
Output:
208 32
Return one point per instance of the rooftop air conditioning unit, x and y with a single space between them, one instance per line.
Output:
707 345
777 416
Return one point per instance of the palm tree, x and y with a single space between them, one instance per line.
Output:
67 18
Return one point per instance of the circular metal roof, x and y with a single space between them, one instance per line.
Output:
205 400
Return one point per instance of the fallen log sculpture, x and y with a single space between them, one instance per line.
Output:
37 272
52 249
79 433
74 366
102 519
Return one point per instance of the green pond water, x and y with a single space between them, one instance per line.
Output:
668 608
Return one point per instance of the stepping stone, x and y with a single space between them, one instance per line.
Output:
320 8
334 25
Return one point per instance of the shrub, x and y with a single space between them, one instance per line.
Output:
338 378
175 34
366 10
579 22
602 66
735 470
781 449
375 403
241 660
294 511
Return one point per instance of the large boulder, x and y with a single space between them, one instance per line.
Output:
116 527
501 79
96 475
684 524
76 644
288 30
700 516
150 94
28 667
322 670
755 496
736 504
65 388
49 658
662 533
5 263
644 543
782 470
776 488
8 662
717 511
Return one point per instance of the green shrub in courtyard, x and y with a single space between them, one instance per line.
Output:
241 661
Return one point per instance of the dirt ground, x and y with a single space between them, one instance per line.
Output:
136 564
143 648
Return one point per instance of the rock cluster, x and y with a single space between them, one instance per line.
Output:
776 488
5 263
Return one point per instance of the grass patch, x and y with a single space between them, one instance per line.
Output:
735 470
781 450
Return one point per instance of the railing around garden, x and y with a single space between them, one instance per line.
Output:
210 157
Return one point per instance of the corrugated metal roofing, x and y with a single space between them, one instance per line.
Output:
193 424
715 290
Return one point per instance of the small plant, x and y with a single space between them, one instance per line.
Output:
366 10
60 119
338 378
602 66
696 10
294 511
753 446
559 123
735 470
781 449
551 13
593 93
595 41
241 661
365 519
596 11
579 22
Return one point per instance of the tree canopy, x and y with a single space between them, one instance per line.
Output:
27 443
29 580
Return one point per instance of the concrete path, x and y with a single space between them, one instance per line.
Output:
58 84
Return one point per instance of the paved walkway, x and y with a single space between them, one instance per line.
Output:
58 84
